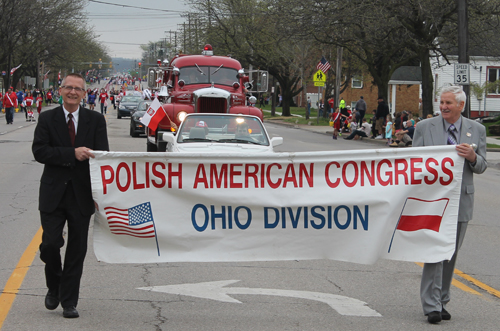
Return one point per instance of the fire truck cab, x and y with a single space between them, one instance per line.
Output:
199 84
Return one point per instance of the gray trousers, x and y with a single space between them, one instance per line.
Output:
437 277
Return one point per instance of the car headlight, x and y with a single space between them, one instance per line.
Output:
181 116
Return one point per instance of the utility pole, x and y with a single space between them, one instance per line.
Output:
463 46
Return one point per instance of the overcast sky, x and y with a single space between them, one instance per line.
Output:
122 29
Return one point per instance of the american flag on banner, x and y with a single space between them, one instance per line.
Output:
323 65
136 221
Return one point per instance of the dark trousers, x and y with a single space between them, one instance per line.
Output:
64 280
9 114
361 116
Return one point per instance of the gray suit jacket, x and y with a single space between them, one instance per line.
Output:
430 132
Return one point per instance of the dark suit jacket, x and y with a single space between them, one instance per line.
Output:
430 132
52 147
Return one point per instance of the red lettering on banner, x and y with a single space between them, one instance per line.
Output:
158 174
273 184
327 175
401 172
172 174
251 174
125 167
369 175
147 174
218 177
136 185
234 173
201 176
447 171
414 169
388 173
290 176
431 170
304 174
344 173
105 180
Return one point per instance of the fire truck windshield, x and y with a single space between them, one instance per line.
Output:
208 75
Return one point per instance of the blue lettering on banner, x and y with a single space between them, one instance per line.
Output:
319 217
242 217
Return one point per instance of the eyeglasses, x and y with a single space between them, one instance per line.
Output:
70 88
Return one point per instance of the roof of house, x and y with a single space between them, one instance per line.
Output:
406 75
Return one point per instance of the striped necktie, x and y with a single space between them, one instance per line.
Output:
452 139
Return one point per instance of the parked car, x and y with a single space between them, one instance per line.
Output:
221 133
127 105
136 127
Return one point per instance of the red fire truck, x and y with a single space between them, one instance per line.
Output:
200 84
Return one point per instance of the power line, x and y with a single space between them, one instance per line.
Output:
144 8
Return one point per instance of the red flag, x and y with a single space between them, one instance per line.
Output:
420 214
59 75
153 115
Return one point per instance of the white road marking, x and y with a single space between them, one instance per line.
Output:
216 291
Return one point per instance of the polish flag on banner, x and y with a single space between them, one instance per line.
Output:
153 115
420 214
420 221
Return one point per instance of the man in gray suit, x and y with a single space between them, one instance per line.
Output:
451 128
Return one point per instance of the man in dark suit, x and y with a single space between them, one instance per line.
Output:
64 140
451 128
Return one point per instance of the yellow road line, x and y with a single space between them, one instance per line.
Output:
474 281
16 278
479 284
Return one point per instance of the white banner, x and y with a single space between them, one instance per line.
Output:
355 206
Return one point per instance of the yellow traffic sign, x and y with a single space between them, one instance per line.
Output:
319 84
319 76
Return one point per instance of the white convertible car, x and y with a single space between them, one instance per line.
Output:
221 133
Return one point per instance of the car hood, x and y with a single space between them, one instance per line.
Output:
221 147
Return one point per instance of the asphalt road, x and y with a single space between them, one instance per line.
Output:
271 295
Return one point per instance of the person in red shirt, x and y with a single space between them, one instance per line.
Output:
48 97
9 103
103 97
39 101
28 103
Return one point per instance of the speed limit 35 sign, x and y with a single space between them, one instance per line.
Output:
462 73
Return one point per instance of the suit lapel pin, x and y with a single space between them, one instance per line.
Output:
468 134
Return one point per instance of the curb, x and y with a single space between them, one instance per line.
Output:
326 130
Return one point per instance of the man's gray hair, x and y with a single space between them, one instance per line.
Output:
458 91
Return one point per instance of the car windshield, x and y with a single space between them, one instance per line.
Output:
207 75
131 98
143 106
223 129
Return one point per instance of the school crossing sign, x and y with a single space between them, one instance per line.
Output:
319 78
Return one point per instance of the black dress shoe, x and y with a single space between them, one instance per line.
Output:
434 317
70 312
445 315
51 300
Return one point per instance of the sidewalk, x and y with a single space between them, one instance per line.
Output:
493 154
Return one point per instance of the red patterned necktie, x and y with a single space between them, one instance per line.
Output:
71 129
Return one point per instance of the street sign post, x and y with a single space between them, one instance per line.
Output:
319 79
462 73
